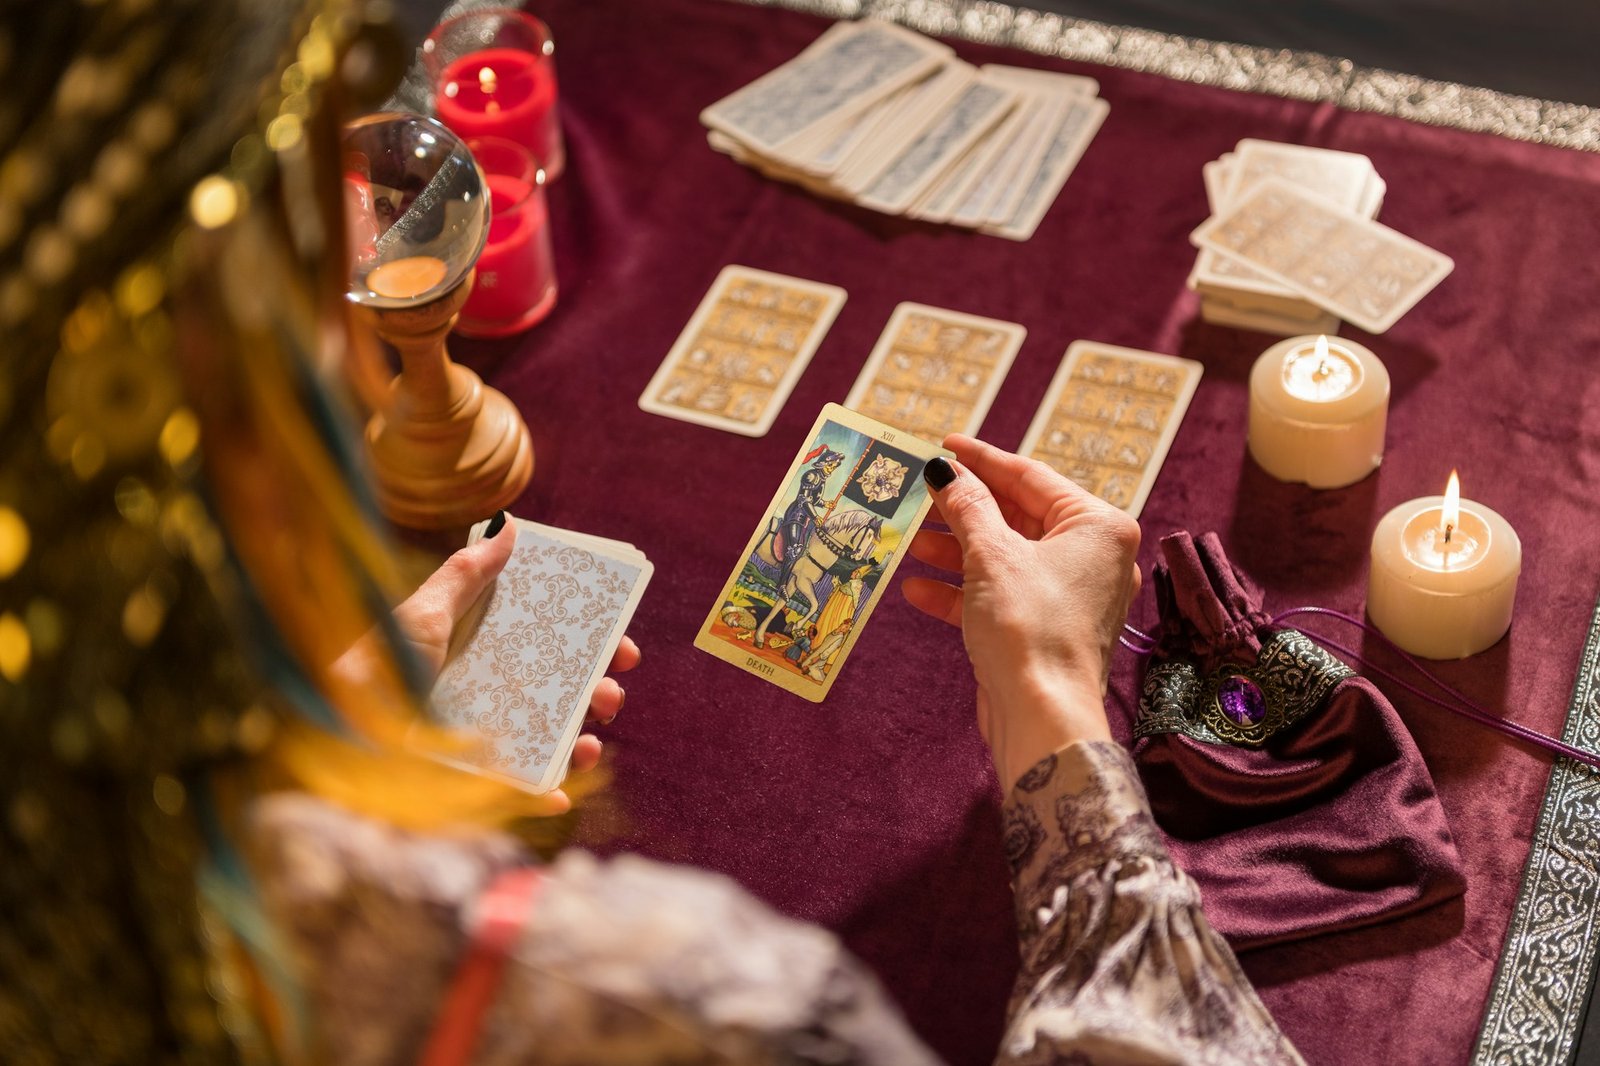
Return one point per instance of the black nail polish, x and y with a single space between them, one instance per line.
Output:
939 472
496 524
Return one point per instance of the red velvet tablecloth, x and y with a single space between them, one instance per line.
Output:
876 813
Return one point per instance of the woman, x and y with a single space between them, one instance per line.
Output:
171 453
629 961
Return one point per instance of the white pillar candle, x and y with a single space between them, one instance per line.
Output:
1444 575
1317 411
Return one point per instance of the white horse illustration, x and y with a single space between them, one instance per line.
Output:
849 535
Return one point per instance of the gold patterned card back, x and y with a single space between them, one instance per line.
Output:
1109 418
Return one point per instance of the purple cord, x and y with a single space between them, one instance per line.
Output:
1466 708
1146 645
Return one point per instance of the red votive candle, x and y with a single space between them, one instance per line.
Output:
494 75
361 217
516 279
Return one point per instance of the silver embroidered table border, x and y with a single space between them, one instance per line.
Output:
1536 1005
1296 75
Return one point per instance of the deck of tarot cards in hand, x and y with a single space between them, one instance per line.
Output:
524 663
875 114
1292 247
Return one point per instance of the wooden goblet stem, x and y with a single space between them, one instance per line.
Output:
448 450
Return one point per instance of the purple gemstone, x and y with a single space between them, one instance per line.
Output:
1242 700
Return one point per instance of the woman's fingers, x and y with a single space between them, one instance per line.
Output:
626 658
967 506
586 753
552 804
941 600
1033 486
609 695
937 548
455 587
607 701
429 615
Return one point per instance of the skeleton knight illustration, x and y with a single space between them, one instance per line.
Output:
805 509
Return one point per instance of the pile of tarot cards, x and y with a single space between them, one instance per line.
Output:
1292 245
883 117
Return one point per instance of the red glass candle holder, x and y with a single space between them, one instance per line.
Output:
494 75
516 284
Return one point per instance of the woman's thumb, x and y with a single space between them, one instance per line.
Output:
966 503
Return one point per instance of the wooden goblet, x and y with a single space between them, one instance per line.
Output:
448 450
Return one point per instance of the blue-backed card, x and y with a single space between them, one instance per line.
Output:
822 553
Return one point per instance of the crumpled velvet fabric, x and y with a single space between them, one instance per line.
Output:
1331 823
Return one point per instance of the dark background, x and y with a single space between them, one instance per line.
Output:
1545 48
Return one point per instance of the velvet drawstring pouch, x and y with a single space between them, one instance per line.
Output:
1286 783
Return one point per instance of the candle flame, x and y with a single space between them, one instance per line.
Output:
1323 369
487 81
1450 516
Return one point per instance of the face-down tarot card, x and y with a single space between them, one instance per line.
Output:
822 554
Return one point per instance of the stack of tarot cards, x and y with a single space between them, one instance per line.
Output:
1233 294
523 665
875 114
1291 246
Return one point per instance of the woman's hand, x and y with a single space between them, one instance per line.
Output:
1048 574
429 616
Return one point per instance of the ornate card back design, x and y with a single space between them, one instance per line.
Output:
526 672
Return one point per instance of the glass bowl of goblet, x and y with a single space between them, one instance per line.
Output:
417 209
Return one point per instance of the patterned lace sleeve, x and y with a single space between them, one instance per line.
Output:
1119 964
